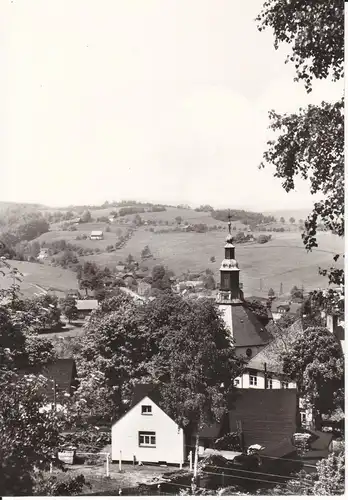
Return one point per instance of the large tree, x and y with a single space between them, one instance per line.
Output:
195 365
310 143
110 359
90 277
315 361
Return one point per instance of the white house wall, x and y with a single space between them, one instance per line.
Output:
244 382
170 443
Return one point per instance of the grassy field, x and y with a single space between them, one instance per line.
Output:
280 264
39 277
110 238
282 260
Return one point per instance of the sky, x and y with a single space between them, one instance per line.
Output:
154 100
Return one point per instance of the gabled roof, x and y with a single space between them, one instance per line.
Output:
290 307
246 329
271 353
142 390
267 416
86 305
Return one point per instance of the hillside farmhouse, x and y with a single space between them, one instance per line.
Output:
96 235
85 307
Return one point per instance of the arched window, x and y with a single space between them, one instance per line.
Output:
248 352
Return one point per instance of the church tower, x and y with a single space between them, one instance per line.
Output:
248 334
230 289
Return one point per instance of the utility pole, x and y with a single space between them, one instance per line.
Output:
54 396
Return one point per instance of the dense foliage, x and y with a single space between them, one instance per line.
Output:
315 361
29 432
310 143
315 31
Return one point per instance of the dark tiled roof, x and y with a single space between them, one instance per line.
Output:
267 416
143 390
247 329
271 354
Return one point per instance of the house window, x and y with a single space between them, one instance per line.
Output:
269 383
253 380
147 439
146 410
303 417
285 385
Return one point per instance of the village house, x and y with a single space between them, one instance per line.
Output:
61 382
96 235
278 309
85 307
146 433
336 325
144 288
43 254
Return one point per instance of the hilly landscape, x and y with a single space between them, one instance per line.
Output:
183 240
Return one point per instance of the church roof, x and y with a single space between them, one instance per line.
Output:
271 354
244 326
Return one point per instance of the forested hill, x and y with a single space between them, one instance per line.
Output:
248 218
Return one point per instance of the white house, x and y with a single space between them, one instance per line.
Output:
96 235
146 433
43 254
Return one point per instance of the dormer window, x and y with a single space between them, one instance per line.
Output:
146 410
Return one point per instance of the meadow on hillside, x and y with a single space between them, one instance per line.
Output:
38 278
282 260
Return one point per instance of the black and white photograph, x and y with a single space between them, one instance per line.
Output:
172 302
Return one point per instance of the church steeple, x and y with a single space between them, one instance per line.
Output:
229 273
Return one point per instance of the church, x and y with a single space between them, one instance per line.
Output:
251 338
249 335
